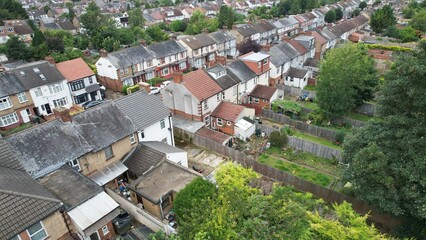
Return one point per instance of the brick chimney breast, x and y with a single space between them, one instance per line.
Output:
177 77
103 53
145 87
50 60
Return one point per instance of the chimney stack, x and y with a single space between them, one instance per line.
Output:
225 27
62 113
234 27
221 60
50 60
205 31
143 43
103 53
177 77
145 87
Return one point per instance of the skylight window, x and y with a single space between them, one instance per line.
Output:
36 70
22 73
42 76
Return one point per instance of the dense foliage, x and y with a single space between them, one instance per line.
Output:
239 210
382 18
11 9
347 79
387 159
248 46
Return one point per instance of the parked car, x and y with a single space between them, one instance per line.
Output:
165 83
155 90
123 222
90 104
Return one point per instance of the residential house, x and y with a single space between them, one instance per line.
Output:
58 24
245 32
172 14
332 39
170 56
320 43
201 49
226 118
122 19
267 32
5 33
297 77
57 12
262 97
227 81
81 80
211 8
28 210
152 119
22 29
37 15
309 43
87 206
16 104
125 67
283 56
286 26
247 78
259 63
304 52
48 88
312 65
226 43
192 96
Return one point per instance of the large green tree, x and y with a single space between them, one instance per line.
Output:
330 16
347 78
362 5
296 7
419 21
387 159
16 49
226 17
339 13
135 18
382 18
178 25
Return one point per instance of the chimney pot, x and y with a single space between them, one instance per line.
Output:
145 87
103 52
50 60
177 77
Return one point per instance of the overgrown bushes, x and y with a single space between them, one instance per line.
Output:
278 139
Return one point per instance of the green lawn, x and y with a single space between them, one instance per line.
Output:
309 105
360 117
329 166
316 139
296 170
17 129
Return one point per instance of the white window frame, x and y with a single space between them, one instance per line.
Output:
228 123
75 164
22 97
132 138
38 92
128 82
149 75
164 70
42 229
103 230
211 57
142 134
219 122
256 100
162 124
105 152
5 103
182 65
61 102
206 105
9 119
55 88
207 120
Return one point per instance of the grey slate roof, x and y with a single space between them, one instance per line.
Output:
153 109
198 41
143 158
129 56
297 72
10 84
240 71
246 30
264 26
30 79
48 146
103 125
289 50
8 159
23 202
222 36
70 186
166 48
278 57
226 81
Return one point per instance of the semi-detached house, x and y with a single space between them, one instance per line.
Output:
201 49
46 85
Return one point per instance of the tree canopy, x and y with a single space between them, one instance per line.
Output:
339 13
347 78
248 46
330 16
362 5
382 18
242 207
387 159
16 49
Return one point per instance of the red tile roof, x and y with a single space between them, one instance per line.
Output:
263 92
228 111
299 47
318 38
200 84
213 135
74 69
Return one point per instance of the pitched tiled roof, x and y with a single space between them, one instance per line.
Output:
222 36
228 111
240 71
226 81
198 41
297 72
143 109
23 202
246 30
299 47
74 69
103 125
143 158
166 48
10 84
48 146
8 159
200 84
263 92
30 78
129 56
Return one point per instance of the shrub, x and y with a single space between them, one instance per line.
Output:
340 137
318 117
124 89
278 139
287 131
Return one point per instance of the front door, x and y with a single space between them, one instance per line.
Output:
48 110
93 95
25 114
94 236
